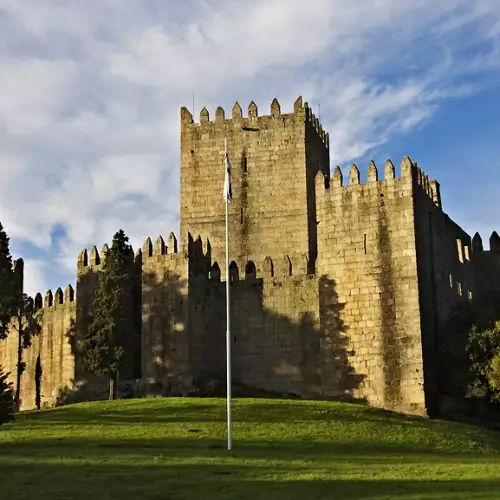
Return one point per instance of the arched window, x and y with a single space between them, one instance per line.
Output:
250 270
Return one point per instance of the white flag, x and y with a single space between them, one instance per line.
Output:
228 193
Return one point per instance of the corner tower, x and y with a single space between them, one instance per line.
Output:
274 160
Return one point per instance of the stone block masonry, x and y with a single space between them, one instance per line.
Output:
366 242
53 346
340 290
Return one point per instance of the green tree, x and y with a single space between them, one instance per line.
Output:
26 322
494 374
483 350
6 399
7 284
111 324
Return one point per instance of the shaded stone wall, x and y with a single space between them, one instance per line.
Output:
487 268
286 333
164 310
275 329
446 277
366 243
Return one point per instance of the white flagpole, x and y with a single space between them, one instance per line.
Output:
228 324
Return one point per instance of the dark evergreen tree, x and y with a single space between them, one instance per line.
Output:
111 317
6 399
7 288
38 382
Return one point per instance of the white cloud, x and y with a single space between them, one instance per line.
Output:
35 276
32 91
90 98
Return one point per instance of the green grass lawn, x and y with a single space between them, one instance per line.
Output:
176 449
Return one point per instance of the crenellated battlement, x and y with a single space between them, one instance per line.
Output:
412 177
55 300
429 186
335 185
192 259
92 260
252 121
159 248
477 243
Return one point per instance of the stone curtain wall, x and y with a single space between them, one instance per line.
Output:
275 329
8 356
164 310
54 345
487 268
269 214
288 337
366 243
446 277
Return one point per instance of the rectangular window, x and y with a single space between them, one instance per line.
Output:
364 242
466 253
460 251
470 295
451 281
459 288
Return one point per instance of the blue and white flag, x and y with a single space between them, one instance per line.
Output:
228 193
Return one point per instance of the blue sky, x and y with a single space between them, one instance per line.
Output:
90 96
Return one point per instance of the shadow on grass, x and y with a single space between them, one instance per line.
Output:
197 445
209 481
281 413
211 410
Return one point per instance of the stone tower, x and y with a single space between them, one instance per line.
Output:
274 160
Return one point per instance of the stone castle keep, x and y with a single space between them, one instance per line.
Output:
340 289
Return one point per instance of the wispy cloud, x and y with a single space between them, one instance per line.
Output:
90 98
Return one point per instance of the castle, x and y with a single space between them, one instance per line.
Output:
339 289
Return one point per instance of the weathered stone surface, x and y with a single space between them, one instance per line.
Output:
337 291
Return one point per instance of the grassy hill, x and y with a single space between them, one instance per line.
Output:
174 449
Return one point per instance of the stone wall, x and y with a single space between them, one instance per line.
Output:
446 277
275 328
366 245
487 268
54 346
164 310
287 333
